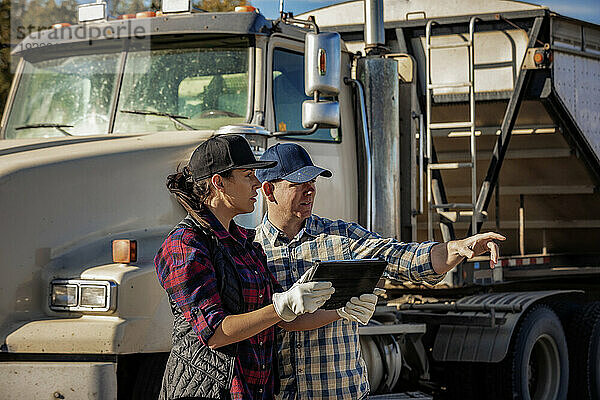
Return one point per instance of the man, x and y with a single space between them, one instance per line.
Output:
325 363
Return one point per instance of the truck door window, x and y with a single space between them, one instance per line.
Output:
73 92
208 86
288 95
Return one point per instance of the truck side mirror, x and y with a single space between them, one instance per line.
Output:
322 63
322 76
324 113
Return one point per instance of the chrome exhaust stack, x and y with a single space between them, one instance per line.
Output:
379 76
374 28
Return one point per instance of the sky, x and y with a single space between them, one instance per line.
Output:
587 10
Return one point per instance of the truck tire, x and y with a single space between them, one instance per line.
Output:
537 364
584 348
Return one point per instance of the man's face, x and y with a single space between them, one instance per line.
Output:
294 199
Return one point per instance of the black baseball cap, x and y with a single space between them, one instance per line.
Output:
293 164
223 153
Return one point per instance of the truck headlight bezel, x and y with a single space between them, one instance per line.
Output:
90 295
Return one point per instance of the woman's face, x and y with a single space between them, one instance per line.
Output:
240 190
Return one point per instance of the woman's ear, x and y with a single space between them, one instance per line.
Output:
267 188
217 182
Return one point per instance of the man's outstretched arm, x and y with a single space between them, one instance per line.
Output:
419 262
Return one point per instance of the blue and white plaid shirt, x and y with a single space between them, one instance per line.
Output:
326 363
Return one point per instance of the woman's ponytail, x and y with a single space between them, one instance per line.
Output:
191 195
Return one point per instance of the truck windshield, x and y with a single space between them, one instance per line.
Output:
74 92
208 86
203 87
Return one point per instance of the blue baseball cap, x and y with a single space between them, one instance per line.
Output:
293 164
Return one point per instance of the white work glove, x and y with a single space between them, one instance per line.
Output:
301 298
361 309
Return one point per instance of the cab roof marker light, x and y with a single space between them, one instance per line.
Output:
126 16
92 12
145 14
176 6
246 9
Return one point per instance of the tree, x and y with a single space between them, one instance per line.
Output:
219 5
20 18
5 74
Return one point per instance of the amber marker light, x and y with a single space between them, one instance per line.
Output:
124 251
538 58
145 14
126 16
61 25
322 62
245 9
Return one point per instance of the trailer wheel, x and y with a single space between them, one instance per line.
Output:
584 346
538 359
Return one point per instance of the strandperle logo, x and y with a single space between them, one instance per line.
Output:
32 37
45 36
82 32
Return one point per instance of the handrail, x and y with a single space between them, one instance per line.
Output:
363 113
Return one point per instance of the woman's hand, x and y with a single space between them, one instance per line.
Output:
301 298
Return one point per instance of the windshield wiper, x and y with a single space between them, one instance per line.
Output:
57 126
174 118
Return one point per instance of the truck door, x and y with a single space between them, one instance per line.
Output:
334 149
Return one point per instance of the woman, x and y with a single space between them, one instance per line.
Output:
222 295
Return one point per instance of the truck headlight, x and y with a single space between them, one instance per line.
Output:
93 296
64 295
82 295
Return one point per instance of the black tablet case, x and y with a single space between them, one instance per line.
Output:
350 278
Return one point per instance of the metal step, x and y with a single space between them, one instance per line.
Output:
455 206
450 46
449 85
401 396
451 165
461 216
450 125
391 329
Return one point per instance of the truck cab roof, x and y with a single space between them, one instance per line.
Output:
143 31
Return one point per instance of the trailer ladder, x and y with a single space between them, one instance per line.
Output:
434 202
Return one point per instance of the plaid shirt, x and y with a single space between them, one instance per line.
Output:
185 271
325 363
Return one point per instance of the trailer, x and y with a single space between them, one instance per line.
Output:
499 130
439 120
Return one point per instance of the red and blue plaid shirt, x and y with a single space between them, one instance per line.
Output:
185 271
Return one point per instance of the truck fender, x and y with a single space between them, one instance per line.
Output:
455 342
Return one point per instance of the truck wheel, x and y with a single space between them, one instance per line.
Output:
584 346
538 360
383 358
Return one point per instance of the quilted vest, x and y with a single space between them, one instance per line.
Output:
194 370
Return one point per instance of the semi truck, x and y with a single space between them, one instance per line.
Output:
438 119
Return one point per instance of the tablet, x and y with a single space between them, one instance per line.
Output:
350 278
